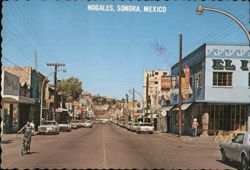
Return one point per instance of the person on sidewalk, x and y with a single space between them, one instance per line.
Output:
194 127
27 134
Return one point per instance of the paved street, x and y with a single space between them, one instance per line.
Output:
109 146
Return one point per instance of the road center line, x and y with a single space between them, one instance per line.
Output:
103 148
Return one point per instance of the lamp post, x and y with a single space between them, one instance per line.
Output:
41 102
201 8
142 102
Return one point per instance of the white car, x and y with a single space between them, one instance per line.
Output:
237 150
145 128
133 127
87 124
64 127
128 125
73 125
49 127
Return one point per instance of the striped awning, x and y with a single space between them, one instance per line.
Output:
164 110
184 106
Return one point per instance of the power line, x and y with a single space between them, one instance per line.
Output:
29 28
16 65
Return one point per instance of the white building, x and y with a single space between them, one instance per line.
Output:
156 87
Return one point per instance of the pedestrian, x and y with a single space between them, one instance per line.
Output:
194 127
27 134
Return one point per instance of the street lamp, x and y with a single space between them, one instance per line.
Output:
142 102
201 8
41 102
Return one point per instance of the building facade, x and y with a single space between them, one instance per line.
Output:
15 103
30 82
220 83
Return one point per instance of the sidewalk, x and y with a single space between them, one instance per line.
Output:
185 138
11 137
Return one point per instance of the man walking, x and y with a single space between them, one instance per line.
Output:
194 127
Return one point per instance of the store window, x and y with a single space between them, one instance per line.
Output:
222 78
227 117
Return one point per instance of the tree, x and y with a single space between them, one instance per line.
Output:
71 89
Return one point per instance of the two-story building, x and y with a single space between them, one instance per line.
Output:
29 89
220 83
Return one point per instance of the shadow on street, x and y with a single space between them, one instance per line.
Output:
7 142
33 153
233 164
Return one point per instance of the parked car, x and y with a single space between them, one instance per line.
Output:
128 125
145 128
64 126
123 125
133 127
73 125
49 127
87 124
78 123
237 150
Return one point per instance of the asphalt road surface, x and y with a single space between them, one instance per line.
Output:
109 146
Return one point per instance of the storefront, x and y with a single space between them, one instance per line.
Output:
15 108
220 83
10 95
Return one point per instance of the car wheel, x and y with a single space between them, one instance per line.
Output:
223 156
244 163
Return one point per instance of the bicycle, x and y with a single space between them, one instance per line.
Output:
25 148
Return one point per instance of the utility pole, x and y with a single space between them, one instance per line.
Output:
55 65
123 107
127 108
180 95
146 96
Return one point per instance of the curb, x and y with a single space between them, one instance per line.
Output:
185 139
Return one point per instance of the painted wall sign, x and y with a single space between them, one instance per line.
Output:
11 84
219 64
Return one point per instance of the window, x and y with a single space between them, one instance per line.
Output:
239 138
156 73
222 78
156 82
198 80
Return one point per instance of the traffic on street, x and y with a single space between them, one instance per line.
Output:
108 146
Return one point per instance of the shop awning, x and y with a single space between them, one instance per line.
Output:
18 99
61 110
184 106
164 110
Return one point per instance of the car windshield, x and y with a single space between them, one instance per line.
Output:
145 124
135 124
49 123
63 122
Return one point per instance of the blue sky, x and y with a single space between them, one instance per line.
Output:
107 51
